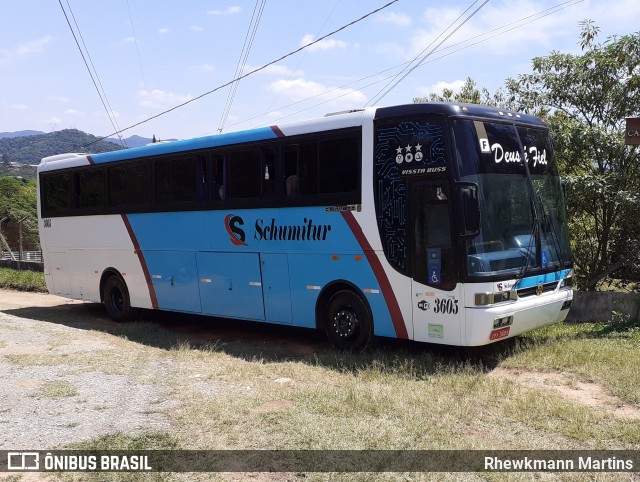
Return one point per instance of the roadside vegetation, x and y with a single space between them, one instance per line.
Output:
22 280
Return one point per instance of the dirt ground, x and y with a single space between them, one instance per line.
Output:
46 403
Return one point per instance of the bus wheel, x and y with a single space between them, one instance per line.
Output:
116 299
348 325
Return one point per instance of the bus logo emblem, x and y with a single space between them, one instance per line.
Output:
539 290
236 234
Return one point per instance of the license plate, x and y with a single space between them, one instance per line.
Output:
501 333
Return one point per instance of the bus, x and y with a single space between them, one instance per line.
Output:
435 222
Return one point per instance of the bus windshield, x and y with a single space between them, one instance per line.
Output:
523 221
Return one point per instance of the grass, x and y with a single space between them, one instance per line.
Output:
57 389
22 280
250 394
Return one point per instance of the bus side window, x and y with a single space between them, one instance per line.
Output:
268 171
89 188
129 184
217 173
245 174
57 192
177 180
339 161
290 171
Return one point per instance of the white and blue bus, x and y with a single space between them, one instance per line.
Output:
440 223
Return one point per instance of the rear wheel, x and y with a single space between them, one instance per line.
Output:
348 325
116 299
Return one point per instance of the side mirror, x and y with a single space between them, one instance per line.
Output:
467 193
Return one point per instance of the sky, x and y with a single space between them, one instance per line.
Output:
147 57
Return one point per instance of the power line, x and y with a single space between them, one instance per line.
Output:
242 61
381 96
300 60
96 80
407 65
243 76
517 24
135 40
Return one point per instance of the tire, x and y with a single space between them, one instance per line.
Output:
349 325
116 300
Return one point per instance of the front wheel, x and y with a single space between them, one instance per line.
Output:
349 325
116 300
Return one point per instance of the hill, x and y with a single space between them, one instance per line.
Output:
19 134
20 155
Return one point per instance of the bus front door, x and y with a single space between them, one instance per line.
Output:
437 308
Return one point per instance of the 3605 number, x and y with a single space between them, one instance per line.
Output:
446 306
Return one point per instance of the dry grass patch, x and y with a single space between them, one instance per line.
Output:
57 389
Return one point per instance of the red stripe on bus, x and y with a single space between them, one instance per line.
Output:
143 263
276 130
389 297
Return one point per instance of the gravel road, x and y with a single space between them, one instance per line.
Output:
47 403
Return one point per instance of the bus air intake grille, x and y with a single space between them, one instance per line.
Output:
533 290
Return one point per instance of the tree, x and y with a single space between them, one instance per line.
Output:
586 98
469 94
18 204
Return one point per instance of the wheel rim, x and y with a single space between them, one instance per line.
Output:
345 322
117 300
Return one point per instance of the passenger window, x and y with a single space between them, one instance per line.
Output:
217 173
57 192
338 164
177 180
245 174
129 185
269 163
89 188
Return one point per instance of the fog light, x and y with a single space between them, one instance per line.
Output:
502 322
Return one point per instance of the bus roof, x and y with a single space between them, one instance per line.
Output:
337 120
456 109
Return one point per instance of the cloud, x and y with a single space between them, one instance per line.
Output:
18 106
301 89
498 24
228 11
438 87
74 112
26 48
326 44
33 46
206 67
129 40
399 19
58 98
163 30
160 99
196 28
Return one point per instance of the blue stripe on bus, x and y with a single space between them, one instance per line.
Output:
541 279
184 252
260 134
